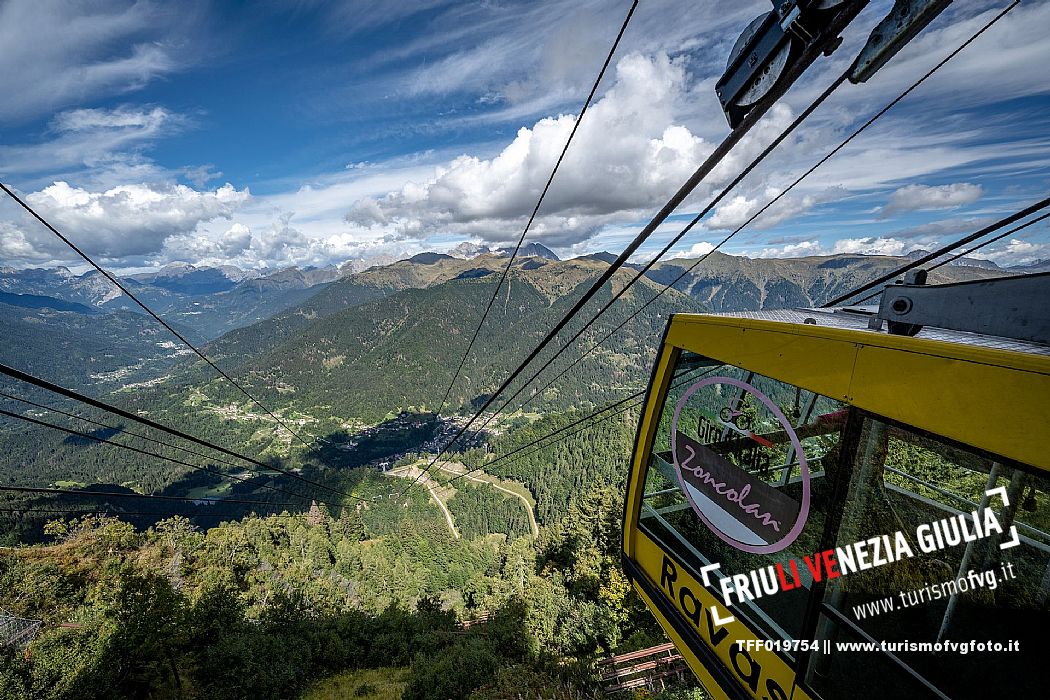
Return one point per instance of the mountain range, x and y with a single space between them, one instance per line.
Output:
338 352
104 337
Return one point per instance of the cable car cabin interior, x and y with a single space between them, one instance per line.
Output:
770 437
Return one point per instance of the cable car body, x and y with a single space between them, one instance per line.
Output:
769 437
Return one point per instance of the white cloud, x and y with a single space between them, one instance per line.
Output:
236 239
791 250
1019 252
280 244
695 251
944 228
15 247
193 247
740 209
919 197
102 119
870 245
627 157
733 213
873 245
130 220
103 147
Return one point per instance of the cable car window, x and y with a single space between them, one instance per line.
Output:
737 476
966 588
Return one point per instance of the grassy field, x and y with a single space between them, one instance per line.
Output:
370 684
70 484
209 491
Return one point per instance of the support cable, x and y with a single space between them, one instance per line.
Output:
131 448
119 285
729 237
95 403
535 210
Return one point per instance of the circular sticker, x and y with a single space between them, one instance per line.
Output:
735 504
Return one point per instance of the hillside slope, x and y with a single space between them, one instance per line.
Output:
77 346
400 350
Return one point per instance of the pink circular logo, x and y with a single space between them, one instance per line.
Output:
737 506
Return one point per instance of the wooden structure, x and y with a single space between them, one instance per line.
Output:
653 668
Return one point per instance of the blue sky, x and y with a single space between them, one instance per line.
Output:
313 133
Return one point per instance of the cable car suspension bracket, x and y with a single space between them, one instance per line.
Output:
780 45
1009 307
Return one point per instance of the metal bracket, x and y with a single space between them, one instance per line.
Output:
776 48
905 20
1009 307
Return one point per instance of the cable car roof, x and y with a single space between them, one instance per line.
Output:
855 318
984 391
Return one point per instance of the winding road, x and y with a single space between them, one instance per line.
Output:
412 472
460 469
457 469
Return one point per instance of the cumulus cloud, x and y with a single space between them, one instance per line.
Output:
1019 252
740 208
131 220
15 247
694 251
236 239
867 245
627 158
733 213
628 154
873 245
280 244
791 250
192 247
917 197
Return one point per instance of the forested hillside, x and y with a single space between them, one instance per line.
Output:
73 345
404 341
258 608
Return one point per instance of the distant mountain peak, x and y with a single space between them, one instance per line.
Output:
603 255
467 250
429 258
531 250
965 260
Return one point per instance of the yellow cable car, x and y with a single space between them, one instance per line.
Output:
821 509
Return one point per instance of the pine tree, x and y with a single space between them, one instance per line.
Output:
350 525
